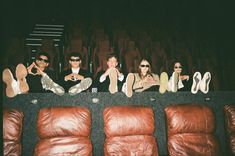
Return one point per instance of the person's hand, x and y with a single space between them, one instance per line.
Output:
69 77
73 77
77 77
39 71
107 72
184 77
150 79
29 68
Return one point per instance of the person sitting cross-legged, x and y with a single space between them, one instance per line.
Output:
75 79
40 78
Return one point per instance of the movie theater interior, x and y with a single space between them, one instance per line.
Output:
118 78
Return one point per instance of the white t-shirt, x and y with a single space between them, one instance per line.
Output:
75 70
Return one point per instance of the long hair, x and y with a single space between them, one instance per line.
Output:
149 72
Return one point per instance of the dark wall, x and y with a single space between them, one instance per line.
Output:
198 15
215 100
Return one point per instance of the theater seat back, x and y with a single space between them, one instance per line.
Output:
229 112
190 130
12 129
64 131
64 121
129 130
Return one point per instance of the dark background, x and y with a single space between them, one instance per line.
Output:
208 20
214 18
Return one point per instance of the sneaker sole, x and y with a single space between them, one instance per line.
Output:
163 82
129 84
207 82
8 78
113 81
196 82
52 86
21 73
175 82
83 85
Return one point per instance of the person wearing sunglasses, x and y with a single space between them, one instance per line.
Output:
176 80
144 80
41 78
75 79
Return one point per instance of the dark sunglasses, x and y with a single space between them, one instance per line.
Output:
74 60
142 65
178 67
43 60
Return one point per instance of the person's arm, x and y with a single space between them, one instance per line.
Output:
184 77
29 68
120 75
137 83
103 76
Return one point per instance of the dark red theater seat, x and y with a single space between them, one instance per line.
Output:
229 112
129 131
190 130
12 129
64 131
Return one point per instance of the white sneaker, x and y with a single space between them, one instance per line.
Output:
78 88
196 82
49 84
204 84
175 78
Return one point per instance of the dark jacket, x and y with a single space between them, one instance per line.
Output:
67 84
104 86
34 82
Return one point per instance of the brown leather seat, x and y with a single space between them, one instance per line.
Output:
12 129
229 112
129 131
190 130
64 131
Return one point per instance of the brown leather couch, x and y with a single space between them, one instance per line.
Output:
229 112
129 131
12 129
64 131
190 130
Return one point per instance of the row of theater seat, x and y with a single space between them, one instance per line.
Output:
129 130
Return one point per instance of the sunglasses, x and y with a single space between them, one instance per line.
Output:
43 60
142 65
74 60
178 67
